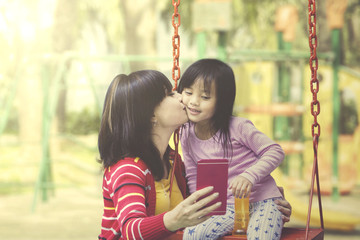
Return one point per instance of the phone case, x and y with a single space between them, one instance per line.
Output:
214 172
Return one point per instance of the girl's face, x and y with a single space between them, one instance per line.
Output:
200 104
171 112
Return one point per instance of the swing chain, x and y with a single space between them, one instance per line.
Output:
315 111
176 76
313 62
176 43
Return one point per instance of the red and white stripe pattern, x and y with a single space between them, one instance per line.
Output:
129 203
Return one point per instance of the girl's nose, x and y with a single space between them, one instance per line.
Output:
193 101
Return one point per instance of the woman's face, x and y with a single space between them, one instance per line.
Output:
171 112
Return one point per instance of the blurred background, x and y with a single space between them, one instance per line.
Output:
58 57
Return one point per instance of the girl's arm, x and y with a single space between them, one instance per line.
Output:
270 154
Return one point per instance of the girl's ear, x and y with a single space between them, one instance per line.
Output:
154 121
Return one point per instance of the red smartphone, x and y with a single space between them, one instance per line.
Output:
214 172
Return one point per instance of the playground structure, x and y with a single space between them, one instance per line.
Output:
272 89
274 115
254 100
256 73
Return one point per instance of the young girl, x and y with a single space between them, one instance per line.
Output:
208 90
140 114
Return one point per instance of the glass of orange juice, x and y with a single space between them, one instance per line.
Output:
241 218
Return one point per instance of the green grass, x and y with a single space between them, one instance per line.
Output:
73 164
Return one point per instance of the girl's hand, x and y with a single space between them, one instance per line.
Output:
189 212
240 187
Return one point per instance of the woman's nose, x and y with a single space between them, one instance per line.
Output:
178 96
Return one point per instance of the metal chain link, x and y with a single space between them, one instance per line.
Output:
175 76
176 21
315 111
314 83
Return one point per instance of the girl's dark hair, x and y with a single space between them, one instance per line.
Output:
125 129
209 71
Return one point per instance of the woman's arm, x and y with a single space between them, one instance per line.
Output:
130 205
284 207
189 162
190 212
128 195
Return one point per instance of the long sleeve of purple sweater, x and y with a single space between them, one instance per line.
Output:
254 156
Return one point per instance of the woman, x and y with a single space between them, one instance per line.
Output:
140 114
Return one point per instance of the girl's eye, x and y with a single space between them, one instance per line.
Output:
188 93
205 97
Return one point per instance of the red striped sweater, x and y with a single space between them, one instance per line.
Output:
130 200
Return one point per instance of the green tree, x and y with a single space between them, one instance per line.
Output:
140 22
253 26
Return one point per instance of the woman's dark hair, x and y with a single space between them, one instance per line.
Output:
209 71
125 129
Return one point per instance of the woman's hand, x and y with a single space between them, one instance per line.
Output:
240 187
189 212
284 207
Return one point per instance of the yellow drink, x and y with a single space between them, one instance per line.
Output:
241 218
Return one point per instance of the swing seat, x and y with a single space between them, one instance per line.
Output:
287 234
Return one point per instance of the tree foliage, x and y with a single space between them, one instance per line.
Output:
253 26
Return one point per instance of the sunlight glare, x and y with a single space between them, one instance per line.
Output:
28 31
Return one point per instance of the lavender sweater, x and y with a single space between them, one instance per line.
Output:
254 157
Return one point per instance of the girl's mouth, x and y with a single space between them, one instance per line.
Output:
193 111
